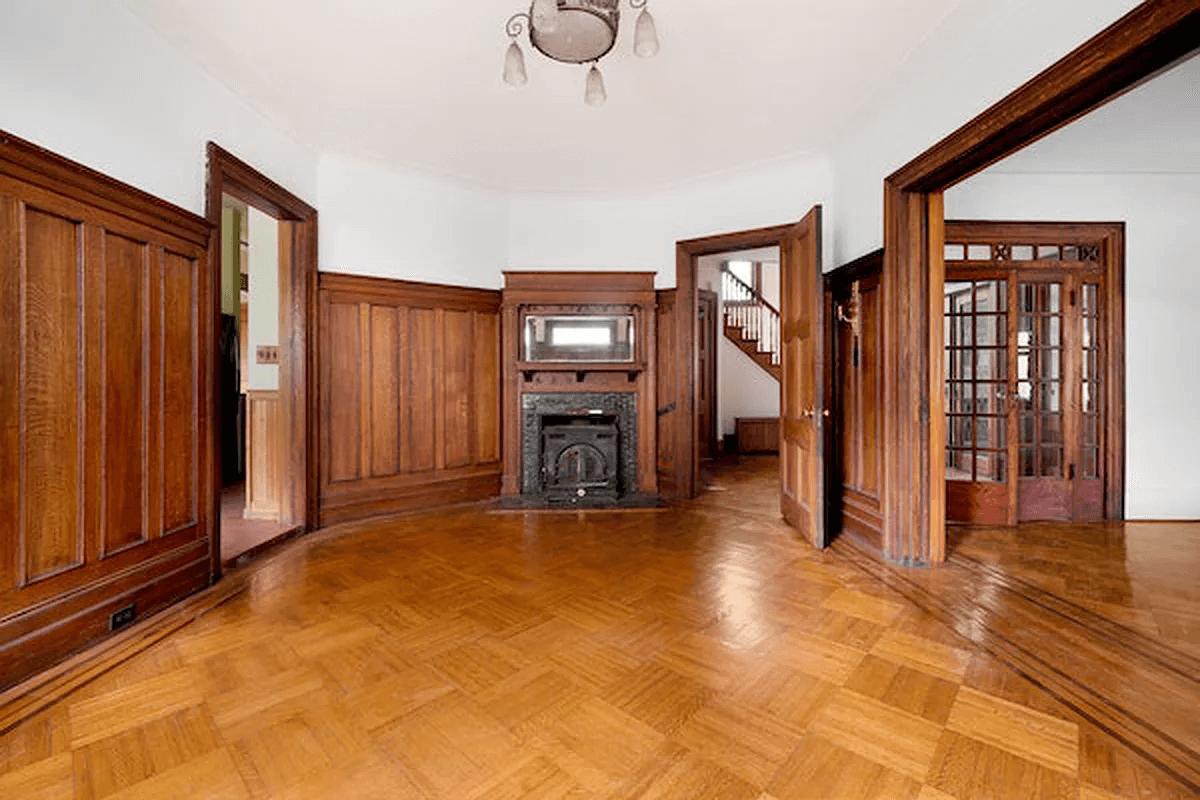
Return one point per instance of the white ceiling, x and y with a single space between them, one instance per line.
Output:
1153 129
416 83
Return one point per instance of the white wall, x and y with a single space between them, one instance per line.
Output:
262 269
1162 273
409 225
981 52
89 80
744 389
638 232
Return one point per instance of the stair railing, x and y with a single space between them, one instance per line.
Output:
748 310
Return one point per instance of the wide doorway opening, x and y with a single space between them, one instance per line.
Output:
263 376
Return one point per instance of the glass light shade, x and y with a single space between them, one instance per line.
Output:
514 66
645 36
595 95
544 15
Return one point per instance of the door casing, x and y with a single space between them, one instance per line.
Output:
1148 40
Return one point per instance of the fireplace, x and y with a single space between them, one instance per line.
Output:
579 448
578 392
579 456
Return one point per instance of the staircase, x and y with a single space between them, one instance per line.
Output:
751 323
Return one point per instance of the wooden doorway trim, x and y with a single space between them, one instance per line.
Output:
1143 43
687 365
228 174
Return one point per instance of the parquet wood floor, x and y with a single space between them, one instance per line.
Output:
701 652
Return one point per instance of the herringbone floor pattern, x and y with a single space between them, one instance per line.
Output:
699 652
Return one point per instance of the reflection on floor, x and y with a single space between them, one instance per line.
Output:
238 534
700 652
1145 576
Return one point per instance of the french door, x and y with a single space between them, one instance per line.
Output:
1026 364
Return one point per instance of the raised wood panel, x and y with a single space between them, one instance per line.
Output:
264 453
100 418
10 393
457 345
410 387
487 388
343 389
179 453
125 403
757 434
384 391
422 374
52 516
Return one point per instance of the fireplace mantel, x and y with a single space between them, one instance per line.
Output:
593 297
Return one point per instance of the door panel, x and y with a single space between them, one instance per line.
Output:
666 392
802 396
978 419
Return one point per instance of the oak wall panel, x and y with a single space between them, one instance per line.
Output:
52 516
101 405
342 355
10 395
410 390
384 394
487 389
421 374
264 454
457 346
179 452
858 398
125 404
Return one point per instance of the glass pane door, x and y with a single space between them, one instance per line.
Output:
976 375
1044 491
1040 379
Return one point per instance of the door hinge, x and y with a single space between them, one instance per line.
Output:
1071 473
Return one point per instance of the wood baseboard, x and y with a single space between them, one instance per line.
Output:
34 694
398 496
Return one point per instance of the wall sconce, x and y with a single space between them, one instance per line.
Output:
851 311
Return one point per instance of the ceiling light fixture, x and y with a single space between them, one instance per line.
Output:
576 32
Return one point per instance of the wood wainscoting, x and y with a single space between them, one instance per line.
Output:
854 291
410 396
103 471
264 453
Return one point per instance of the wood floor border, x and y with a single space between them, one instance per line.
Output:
1136 642
1147 740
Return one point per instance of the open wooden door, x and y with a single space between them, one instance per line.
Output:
802 406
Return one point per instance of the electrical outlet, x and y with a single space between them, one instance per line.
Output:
122 617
